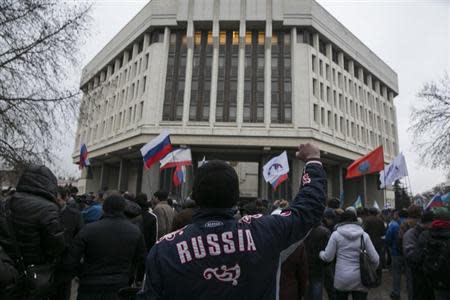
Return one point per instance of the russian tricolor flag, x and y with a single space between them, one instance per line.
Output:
84 160
156 149
179 176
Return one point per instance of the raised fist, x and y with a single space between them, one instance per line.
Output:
308 151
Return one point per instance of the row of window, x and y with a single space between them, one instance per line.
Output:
226 108
113 124
128 55
349 128
306 36
356 91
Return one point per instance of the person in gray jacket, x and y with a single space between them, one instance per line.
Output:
164 213
345 244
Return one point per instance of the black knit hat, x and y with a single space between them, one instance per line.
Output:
114 204
216 185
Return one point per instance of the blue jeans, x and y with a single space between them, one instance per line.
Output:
397 268
315 289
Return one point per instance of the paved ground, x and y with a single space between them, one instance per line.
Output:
383 291
380 293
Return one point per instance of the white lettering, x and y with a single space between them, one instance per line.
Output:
183 252
227 238
250 243
198 247
214 247
241 240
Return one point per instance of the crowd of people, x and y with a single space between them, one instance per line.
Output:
117 245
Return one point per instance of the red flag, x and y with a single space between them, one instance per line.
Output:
371 163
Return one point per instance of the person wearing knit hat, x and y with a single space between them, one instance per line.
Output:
218 257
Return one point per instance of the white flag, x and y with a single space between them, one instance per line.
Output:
179 157
375 205
395 170
276 169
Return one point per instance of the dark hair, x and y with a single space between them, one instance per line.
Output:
142 200
414 211
373 211
333 203
63 192
427 217
129 196
161 195
216 185
403 213
348 216
114 204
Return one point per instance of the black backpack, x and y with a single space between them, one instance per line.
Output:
436 261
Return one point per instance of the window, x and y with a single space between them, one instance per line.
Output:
335 122
321 91
144 84
322 116
176 68
313 63
316 113
320 67
328 95
327 72
201 76
141 110
314 87
329 119
254 76
322 47
226 105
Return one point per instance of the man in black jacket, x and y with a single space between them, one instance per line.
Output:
217 257
111 248
72 222
35 218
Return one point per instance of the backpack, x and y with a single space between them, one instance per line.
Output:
436 261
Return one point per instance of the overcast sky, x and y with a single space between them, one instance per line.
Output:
412 37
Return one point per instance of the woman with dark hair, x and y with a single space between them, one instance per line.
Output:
345 245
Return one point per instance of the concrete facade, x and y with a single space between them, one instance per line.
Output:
312 80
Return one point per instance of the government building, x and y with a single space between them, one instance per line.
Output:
238 80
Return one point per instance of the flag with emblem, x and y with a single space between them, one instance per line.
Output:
371 163
276 170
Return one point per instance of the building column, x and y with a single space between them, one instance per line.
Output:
241 68
150 180
297 172
215 65
140 168
189 65
103 176
162 86
268 65
263 185
122 182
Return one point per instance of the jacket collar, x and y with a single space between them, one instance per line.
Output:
203 214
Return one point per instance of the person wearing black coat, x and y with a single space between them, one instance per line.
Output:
72 222
110 248
316 241
149 221
35 218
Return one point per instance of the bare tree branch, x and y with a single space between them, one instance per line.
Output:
431 124
39 46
